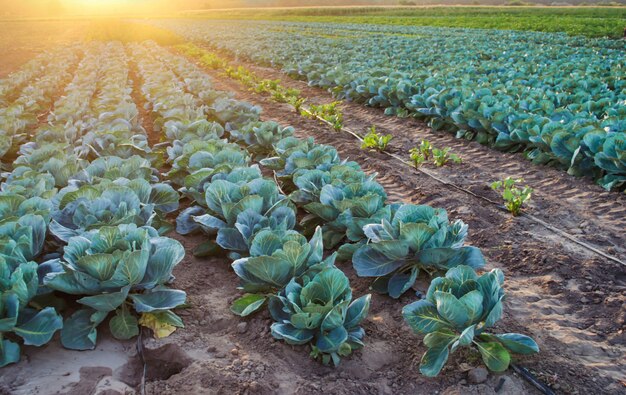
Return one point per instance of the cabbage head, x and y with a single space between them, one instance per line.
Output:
259 138
114 167
418 238
121 268
14 206
320 311
22 240
236 210
276 257
18 285
29 183
341 206
116 202
457 311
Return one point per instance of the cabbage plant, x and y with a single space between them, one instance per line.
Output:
236 210
26 182
259 137
114 167
198 130
457 311
341 206
612 159
121 268
54 159
14 206
116 202
296 154
22 240
417 238
319 310
233 113
18 285
276 257
117 139
203 159
203 166
309 183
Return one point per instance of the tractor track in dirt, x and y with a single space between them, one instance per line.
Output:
568 298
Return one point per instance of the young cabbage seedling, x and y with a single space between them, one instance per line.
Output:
328 112
417 157
296 102
376 141
425 147
443 156
514 197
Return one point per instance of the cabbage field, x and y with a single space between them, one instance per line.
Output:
194 220
560 99
87 178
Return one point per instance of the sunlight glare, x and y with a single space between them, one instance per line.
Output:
114 6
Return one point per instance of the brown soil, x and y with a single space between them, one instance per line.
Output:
146 120
239 356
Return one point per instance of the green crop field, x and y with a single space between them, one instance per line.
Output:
586 21
559 98
314 201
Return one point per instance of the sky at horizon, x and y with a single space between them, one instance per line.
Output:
95 7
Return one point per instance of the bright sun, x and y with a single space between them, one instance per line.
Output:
112 6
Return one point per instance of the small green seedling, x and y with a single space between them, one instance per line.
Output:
296 102
376 141
443 156
417 157
514 197
425 147
328 112
285 95
242 75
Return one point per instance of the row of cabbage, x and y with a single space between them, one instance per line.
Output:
255 220
12 85
561 99
82 200
243 211
26 94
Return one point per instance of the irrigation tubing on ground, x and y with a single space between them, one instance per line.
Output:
522 371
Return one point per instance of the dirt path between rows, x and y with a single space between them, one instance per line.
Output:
568 298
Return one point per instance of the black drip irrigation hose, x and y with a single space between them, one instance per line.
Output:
522 371
539 221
